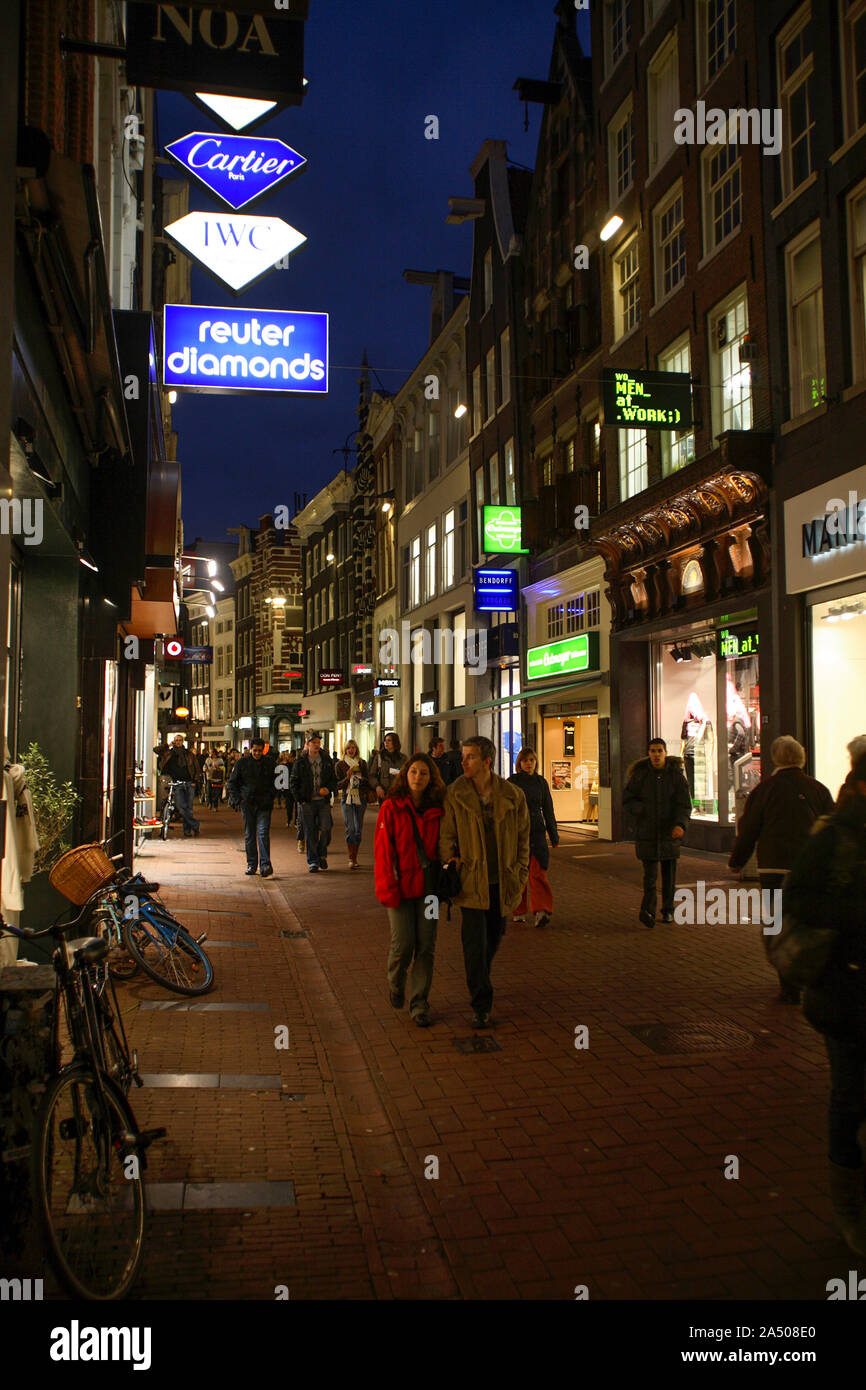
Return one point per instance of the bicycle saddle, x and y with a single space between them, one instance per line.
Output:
88 948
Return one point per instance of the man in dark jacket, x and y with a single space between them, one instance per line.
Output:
181 766
313 783
827 889
778 819
252 786
657 800
443 761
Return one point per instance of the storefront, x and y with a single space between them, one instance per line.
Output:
386 692
690 591
825 566
319 715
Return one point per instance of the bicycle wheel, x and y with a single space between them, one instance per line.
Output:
89 1195
121 964
166 821
172 958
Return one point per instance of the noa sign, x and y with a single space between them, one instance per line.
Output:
236 249
185 48
220 349
236 168
646 400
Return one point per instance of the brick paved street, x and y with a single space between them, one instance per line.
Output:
557 1166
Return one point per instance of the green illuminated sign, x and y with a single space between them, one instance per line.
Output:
574 654
502 534
647 400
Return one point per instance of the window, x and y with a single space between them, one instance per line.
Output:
479 507
330 603
596 467
433 444
459 628
583 612
510 480
569 456
554 621
505 366
669 225
493 476
854 64
448 574
663 99
430 563
219 628
857 271
229 625
652 10
230 665
220 713
476 400
717 36
463 540
219 656
806 322
723 207
545 471
488 278
626 294
415 573
490 362
677 446
620 151
632 462
794 65
229 700
617 32
730 379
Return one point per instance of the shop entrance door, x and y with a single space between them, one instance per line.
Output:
569 750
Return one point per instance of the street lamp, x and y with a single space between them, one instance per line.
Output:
460 411
611 226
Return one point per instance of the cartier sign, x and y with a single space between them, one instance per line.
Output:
185 48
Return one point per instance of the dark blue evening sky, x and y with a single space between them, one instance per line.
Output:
372 202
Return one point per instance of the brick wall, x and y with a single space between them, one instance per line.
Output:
58 88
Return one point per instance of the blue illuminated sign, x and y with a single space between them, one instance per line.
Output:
245 349
236 168
496 591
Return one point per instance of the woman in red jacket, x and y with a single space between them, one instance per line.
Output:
414 803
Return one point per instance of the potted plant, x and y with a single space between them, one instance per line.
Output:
53 805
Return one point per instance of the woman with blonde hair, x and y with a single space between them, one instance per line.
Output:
351 773
542 824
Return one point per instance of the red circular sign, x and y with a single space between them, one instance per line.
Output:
173 647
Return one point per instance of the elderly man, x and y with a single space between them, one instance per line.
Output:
182 767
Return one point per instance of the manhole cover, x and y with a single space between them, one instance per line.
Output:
293 935
477 1044
704 1035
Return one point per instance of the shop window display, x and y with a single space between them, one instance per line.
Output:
838 656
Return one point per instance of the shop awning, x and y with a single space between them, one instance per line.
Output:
593 678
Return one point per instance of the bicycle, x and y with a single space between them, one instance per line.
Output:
153 938
87 1152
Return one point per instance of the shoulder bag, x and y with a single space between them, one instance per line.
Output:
441 881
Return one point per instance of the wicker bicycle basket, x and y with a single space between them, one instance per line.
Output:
80 872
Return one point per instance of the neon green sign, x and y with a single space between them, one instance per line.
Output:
574 654
502 531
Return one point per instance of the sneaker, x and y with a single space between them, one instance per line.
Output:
313 869
266 873
667 916
647 918
480 1020
250 871
397 999
421 1020
542 919
518 919
323 863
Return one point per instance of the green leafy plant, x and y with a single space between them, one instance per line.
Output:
53 805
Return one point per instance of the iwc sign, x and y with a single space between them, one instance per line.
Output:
185 48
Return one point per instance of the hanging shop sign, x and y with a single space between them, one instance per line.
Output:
502 531
239 113
568 738
173 648
330 677
222 349
200 656
182 48
573 655
362 670
428 704
496 591
825 533
386 684
732 643
236 249
646 400
238 169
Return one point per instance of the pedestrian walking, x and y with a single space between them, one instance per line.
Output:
778 820
856 750
658 801
485 832
313 783
353 785
385 766
409 817
542 826
214 775
444 762
178 763
251 786
826 890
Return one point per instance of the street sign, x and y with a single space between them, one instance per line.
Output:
215 348
236 168
502 531
646 400
496 591
578 653
236 249
180 48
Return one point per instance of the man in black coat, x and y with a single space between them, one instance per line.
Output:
658 802
827 889
443 761
251 786
313 783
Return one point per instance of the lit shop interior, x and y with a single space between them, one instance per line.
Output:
838 680
571 767
706 706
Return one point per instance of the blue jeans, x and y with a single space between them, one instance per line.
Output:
317 828
847 1100
183 795
257 836
354 818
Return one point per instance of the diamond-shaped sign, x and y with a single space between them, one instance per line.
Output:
237 249
236 168
237 112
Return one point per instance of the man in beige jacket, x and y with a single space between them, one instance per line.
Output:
485 831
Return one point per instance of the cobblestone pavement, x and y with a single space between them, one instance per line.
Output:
558 1166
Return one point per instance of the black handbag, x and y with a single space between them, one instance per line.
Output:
441 881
